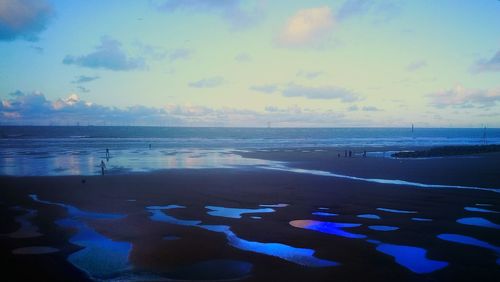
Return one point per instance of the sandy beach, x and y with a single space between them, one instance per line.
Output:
171 250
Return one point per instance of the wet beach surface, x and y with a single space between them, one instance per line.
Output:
258 224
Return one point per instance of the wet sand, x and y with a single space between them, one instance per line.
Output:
359 260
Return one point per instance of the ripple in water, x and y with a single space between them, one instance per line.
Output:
473 209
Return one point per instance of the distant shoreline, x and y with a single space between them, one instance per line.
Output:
443 151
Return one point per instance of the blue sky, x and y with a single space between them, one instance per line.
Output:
247 63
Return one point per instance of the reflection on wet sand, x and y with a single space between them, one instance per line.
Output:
300 256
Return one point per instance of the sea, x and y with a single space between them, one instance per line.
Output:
79 150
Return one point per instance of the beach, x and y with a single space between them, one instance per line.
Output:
172 223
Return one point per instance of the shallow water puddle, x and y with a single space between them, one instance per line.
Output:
27 229
478 221
412 258
467 240
213 270
300 256
325 214
273 205
101 257
383 228
395 211
473 209
420 219
332 228
369 216
234 212
35 250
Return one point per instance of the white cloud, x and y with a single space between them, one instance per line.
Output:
207 82
266 88
461 97
416 65
308 27
323 93
488 65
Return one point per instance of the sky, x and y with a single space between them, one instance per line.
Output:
283 63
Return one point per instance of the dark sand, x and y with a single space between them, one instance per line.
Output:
247 188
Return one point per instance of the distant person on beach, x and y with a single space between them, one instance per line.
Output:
350 154
107 153
103 166
149 146
338 155
364 154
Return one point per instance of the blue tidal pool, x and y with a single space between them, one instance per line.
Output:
473 209
467 240
332 228
383 228
478 221
324 214
395 211
100 257
420 219
301 256
234 212
412 258
369 216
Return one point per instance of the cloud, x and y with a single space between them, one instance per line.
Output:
353 108
371 109
234 12
83 89
461 97
34 108
308 27
23 19
37 49
84 79
309 74
488 65
207 82
416 65
351 8
180 54
266 88
108 55
322 93
243 58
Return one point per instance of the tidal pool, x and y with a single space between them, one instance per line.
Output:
395 211
478 221
467 240
301 256
473 209
412 258
332 228
100 257
369 216
325 214
234 212
383 228
420 219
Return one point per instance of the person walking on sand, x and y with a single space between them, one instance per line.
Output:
107 153
350 154
103 166
364 154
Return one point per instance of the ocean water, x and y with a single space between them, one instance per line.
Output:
79 150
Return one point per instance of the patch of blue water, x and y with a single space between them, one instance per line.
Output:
100 257
383 228
420 219
467 240
234 212
473 209
412 258
478 221
369 216
301 256
325 214
395 211
332 228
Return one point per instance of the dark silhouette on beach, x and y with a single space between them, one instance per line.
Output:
103 166
350 154
364 154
